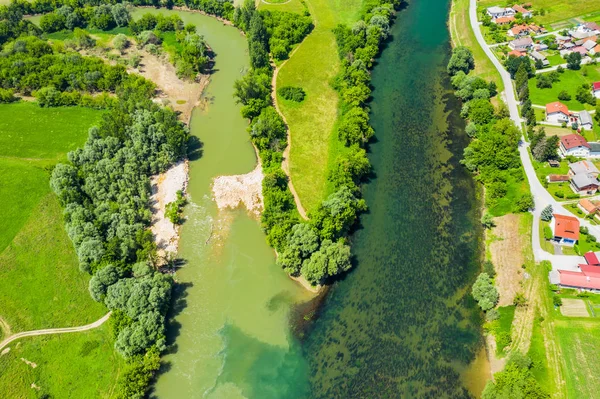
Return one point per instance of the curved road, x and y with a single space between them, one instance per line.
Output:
541 196
34 333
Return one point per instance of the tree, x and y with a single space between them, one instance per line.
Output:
514 381
120 14
564 95
461 60
525 203
574 60
487 221
52 22
488 267
354 127
302 242
471 129
543 81
481 111
484 292
547 213
513 63
584 95
331 259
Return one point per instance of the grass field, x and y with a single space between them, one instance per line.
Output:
276 5
28 131
40 282
312 122
569 81
505 205
80 365
462 35
555 10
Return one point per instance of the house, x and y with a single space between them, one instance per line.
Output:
503 20
574 144
565 229
536 30
592 258
522 44
587 278
595 50
558 112
579 49
535 56
524 12
498 12
592 27
517 53
583 168
584 184
596 89
518 30
558 178
588 207
584 119
589 44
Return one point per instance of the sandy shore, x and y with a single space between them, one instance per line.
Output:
164 190
233 191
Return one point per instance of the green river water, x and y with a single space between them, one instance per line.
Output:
402 323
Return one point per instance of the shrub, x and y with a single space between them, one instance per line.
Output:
7 96
564 95
488 267
548 233
492 315
484 292
291 93
519 299
556 300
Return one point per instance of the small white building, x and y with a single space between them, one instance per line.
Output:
575 145
584 119
596 89
497 12
558 112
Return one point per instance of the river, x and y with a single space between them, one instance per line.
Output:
402 323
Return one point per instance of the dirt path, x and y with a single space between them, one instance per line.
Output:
48 331
285 164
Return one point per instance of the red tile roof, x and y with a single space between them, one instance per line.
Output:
558 178
578 279
579 49
517 29
520 9
572 140
588 206
503 20
596 86
566 227
591 258
557 106
517 53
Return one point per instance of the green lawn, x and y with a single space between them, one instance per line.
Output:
78 365
569 81
505 205
502 327
546 245
555 59
312 122
28 131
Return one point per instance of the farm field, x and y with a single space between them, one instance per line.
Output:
555 10
311 123
78 365
569 81
462 35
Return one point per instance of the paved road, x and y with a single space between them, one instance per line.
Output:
585 60
48 331
541 196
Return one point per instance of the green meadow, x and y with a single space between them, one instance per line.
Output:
40 282
78 365
312 122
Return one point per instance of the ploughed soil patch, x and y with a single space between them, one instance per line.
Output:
574 308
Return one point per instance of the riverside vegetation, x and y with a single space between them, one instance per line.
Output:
317 249
493 156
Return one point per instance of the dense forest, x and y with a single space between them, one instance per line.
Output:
316 249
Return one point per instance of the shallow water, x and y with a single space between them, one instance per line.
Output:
402 324
232 306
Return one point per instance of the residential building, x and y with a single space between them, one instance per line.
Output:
524 12
518 30
522 44
583 167
584 119
596 89
588 278
535 56
575 145
592 258
536 30
558 112
517 53
498 12
558 178
579 49
592 27
584 184
565 229
595 50
503 20
587 206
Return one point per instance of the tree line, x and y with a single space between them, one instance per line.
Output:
492 153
